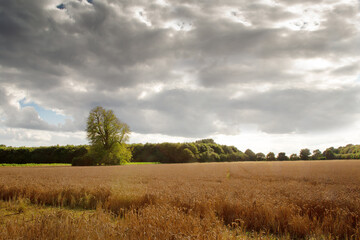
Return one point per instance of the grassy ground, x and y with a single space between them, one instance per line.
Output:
286 200
33 164
59 164
141 163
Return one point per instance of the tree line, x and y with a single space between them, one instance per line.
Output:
53 154
208 151
200 151
205 150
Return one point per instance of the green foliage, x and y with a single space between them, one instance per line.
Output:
33 164
105 129
200 151
348 149
329 154
317 155
85 160
206 141
122 153
163 153
141 163
282 156
250 154
294 157
119 154
217 148
305 154
209 157
52 154
107 135
189 156
270 156
260 157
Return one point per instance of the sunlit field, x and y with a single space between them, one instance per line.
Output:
268 200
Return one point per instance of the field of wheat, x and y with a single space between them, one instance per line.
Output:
267 200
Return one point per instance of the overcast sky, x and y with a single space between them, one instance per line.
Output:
270 75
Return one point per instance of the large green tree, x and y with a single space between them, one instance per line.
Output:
305 154
282 156
294 156
107 135
260 157
329 154
317 155
270 156
250 154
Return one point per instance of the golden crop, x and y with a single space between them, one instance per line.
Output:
315 199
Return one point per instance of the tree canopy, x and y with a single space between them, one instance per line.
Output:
305 154
107 135
105 129
270 156
282 156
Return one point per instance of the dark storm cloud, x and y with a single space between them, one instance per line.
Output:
177 68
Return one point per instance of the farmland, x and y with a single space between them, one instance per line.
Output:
303 199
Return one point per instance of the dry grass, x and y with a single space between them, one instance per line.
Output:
189 201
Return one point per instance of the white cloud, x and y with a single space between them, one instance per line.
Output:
27 137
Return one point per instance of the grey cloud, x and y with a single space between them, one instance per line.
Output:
27 118
261 14
346 10
96 37
296 110
195 113
115 57
181 112
351 69
228 72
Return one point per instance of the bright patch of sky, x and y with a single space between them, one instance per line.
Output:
47 115
140 14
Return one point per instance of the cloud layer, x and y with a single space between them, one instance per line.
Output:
182 68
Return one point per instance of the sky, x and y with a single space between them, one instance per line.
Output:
269 75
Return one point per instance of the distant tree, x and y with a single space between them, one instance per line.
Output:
305 154
208 140
334 150
294 156
250 154
260 157
270 156
107 135
317 155
329 154
282 156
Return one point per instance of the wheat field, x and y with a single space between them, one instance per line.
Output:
261 200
